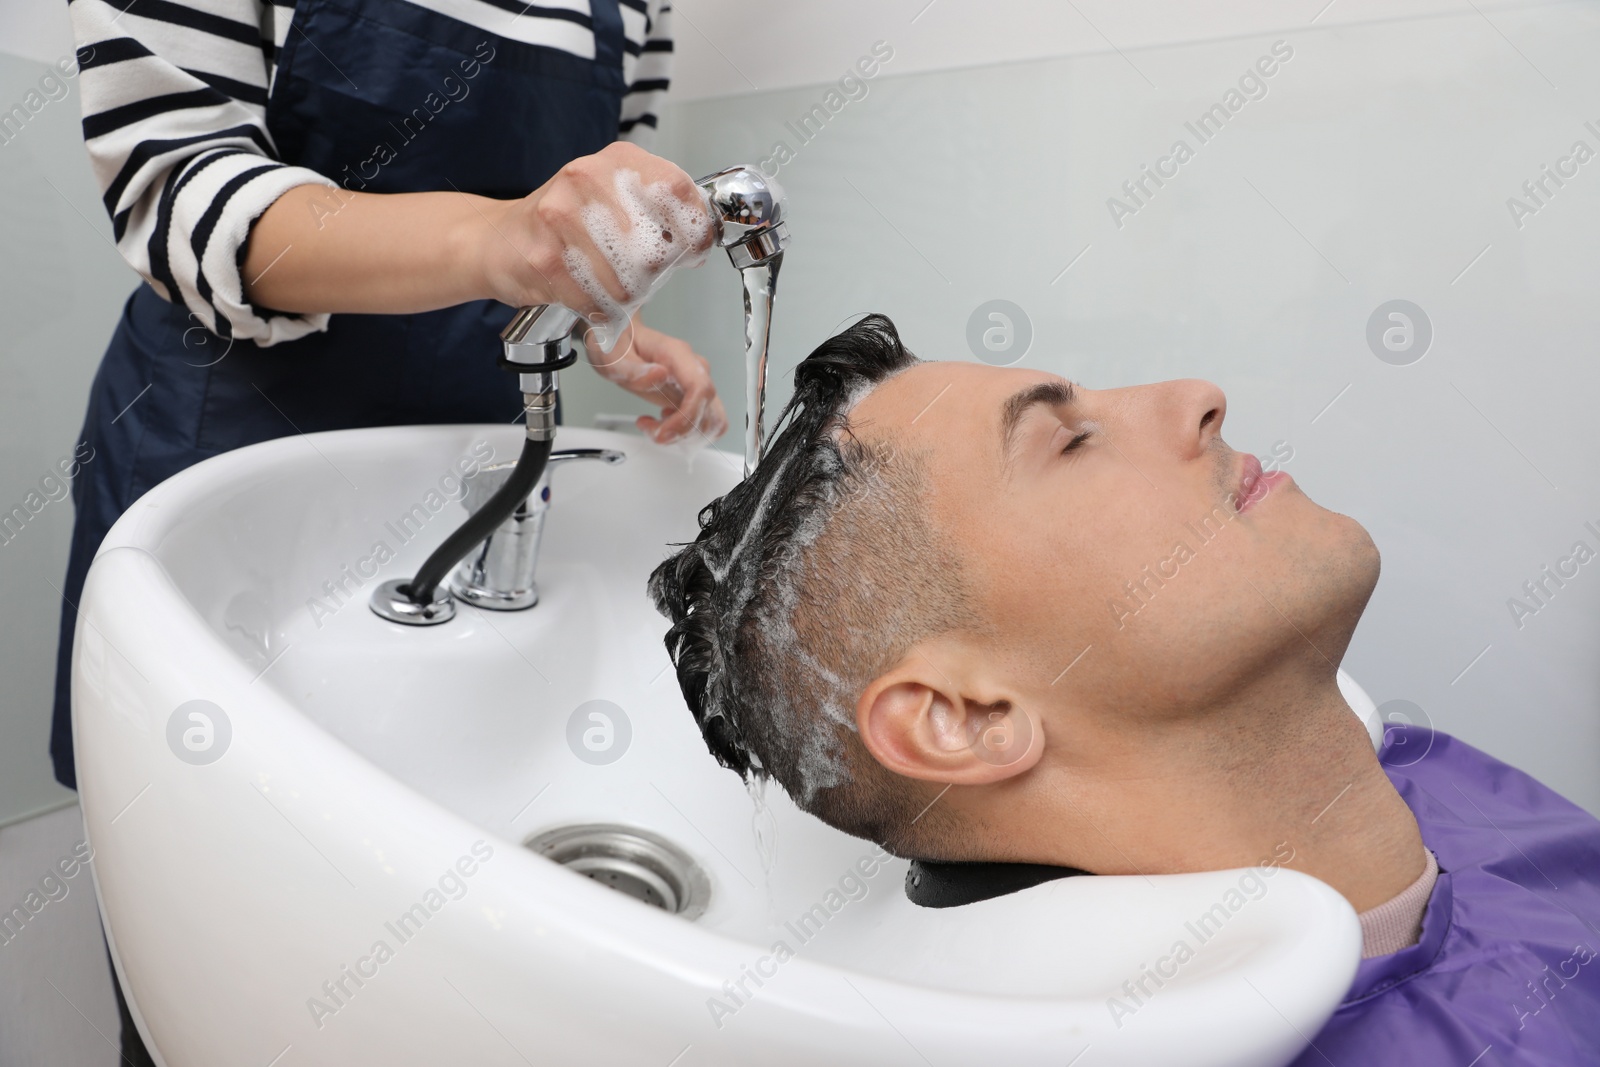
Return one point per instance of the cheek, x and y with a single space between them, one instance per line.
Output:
1124 537
1062 560
1158 567
1054 564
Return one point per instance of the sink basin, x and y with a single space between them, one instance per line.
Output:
310 824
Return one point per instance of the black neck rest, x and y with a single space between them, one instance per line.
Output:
947 885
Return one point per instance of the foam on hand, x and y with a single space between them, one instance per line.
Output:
660 233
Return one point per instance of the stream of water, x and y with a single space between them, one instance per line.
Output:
760 284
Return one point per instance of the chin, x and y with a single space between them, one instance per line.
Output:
1366 551
1349 575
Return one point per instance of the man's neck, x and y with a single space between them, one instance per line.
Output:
1269 778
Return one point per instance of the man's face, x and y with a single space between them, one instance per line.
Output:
1112 540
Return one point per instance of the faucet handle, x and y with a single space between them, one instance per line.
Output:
488 480
609 456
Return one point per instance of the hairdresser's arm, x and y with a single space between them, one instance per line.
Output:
318 249
323 250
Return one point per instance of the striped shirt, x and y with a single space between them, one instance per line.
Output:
174 96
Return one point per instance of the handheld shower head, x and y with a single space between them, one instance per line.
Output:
747 209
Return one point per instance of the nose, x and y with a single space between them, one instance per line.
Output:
1201 408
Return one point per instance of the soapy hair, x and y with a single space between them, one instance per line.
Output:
808 580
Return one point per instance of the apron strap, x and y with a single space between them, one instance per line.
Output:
609 41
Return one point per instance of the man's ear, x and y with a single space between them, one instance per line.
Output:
947 723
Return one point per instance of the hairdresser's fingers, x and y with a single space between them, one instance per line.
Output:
650 370
650 236
715 422
655 171
623 364
677 420
542 249
559 212
625 180
674 425
689 413
711 424
644 380
696 406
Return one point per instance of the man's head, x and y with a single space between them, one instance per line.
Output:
957 576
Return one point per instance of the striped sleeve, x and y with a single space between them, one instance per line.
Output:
647 68
174 97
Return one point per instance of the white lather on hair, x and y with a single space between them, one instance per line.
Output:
821 762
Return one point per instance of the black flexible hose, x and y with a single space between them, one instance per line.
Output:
498 508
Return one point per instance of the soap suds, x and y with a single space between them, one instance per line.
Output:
793 713
659 234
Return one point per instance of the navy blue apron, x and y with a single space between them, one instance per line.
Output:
458 108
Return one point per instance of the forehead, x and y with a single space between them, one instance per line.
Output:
942 406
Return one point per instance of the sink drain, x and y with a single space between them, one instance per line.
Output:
634 862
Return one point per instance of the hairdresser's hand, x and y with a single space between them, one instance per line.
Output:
667 372
646 214
316 251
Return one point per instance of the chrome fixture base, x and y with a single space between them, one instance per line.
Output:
492 599
390 603
499 573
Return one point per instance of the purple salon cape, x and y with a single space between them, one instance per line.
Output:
1506 971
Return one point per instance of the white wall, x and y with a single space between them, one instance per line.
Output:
734 47
62 285
39 32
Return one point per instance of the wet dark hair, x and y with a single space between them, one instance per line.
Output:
807 580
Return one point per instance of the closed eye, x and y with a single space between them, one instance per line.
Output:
1076 441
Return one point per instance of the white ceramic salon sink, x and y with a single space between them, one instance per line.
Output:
346 883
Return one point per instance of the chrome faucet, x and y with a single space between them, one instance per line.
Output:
540 341
499 573
747 210
489 561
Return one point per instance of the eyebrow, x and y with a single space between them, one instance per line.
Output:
1018 404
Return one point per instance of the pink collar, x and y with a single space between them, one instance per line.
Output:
1397 923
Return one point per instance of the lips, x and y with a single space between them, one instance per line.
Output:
1254 485
1249 478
